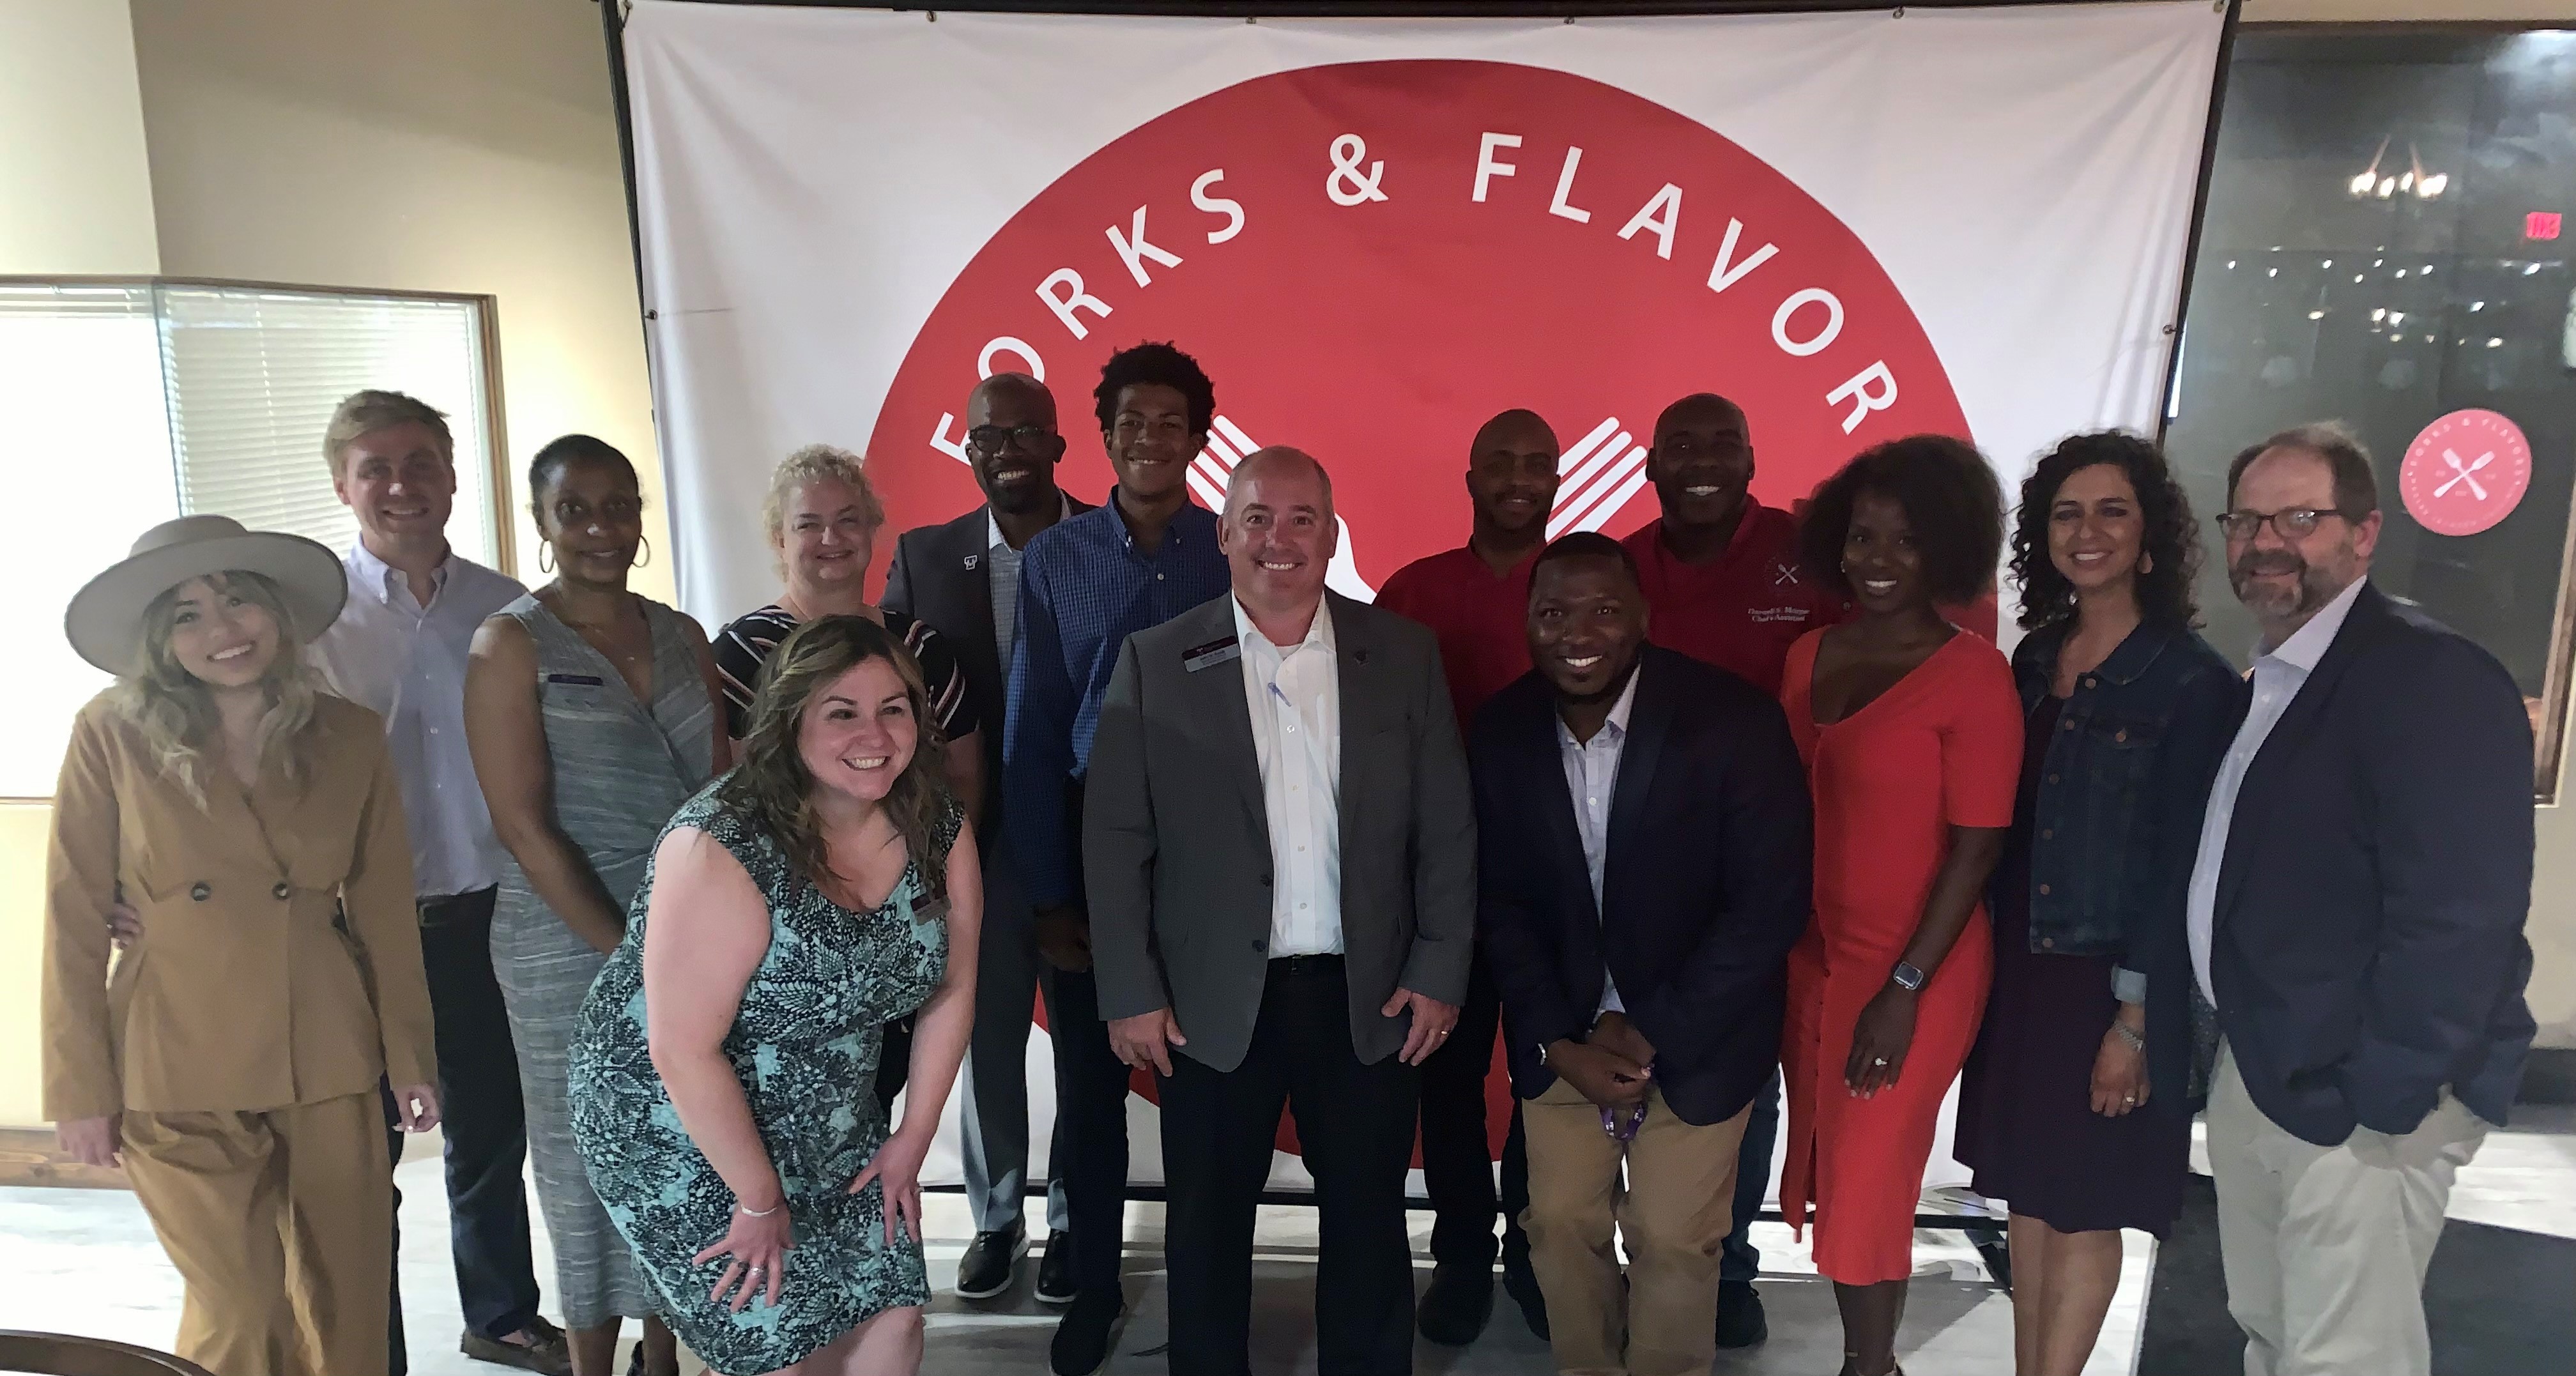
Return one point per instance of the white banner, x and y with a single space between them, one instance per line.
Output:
1375 234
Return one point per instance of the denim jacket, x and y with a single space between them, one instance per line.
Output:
2125 780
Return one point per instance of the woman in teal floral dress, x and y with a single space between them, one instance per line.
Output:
723 1065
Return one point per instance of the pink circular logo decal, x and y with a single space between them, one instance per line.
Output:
1372 258
2466 472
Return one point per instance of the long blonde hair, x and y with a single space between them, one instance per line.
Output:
176 713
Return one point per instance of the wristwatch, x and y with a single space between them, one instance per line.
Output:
1906 977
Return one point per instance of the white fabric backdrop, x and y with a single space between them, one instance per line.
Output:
814 182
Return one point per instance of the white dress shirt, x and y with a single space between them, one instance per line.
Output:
1591 777
406 663
1002 582
2279 674
1295 696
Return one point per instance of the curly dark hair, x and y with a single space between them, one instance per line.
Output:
2171 543
771 784
1148 365
1950 497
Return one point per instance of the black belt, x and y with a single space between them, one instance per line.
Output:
1296 967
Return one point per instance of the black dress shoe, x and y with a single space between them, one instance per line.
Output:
1084 1335
1454 1309
1739 1315
1056 1284
990 1262
1521 1284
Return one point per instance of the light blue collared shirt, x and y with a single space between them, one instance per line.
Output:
2279 674
406 663
1591 777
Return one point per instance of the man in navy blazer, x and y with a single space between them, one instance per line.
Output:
2355 917
1645 859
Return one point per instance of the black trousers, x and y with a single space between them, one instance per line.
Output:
1090 1131
1457 1155
482 1118
1355 1126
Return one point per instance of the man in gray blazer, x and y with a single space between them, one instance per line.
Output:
1279 843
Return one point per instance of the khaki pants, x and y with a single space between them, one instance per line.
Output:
281 1225
1673 1211
2325 1247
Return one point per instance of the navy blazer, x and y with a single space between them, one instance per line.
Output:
2367 946
1705 887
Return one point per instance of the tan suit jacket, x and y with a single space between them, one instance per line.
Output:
244 993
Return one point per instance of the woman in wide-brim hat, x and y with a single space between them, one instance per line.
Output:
230 1058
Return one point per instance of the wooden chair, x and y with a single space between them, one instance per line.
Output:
57 1354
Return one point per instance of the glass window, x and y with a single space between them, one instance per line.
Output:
123 404
2382 247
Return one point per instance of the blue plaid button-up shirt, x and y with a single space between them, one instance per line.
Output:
1085 586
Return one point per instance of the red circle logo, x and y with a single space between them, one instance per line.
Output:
1372 258
2466 472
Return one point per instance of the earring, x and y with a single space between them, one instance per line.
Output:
545 556
648 551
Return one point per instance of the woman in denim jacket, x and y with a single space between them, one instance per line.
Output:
2075 1106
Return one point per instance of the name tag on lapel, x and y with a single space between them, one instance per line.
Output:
584 680
1211 654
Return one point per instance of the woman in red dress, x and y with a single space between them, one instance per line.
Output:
1912 735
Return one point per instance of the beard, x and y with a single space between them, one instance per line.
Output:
2316 585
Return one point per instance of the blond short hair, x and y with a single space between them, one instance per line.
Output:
814 463
369 411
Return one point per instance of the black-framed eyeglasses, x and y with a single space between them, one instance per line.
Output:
2297 523
989 440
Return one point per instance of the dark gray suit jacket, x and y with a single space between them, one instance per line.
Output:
1176 839
941 575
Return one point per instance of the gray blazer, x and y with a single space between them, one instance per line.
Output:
1176 839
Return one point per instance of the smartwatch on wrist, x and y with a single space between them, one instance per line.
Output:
1906 977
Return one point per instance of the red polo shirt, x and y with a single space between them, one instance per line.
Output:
1482 620
1742 610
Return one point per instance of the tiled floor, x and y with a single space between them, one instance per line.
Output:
85 1261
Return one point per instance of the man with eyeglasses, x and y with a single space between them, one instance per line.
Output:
2355 917
963 577
1086 584
1720 574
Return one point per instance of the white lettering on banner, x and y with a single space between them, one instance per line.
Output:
1217 205
1669 202
1074 298
1347 184
1565 186
1134 254
1487 168
1833 322
1005 344
1720 274
1864 400
956 448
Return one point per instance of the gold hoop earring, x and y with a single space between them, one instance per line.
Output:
545 556
648 551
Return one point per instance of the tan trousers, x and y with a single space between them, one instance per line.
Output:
281 1223
2325 1247
1672 1210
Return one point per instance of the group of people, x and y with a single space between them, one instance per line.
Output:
1726 813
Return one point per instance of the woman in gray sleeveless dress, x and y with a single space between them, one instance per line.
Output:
591 712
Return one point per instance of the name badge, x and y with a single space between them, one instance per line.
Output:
584 680
1211 654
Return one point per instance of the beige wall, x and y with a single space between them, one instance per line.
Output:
444 145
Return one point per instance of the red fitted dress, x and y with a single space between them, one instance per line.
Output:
1941 748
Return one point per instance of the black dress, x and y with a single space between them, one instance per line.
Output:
2026 1121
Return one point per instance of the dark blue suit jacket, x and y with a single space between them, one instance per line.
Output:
1705 888
2367 946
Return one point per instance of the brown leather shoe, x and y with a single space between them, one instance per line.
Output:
547 1354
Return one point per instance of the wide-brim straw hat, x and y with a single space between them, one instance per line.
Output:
105 619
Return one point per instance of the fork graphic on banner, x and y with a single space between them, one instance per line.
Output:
1595 479
1213 471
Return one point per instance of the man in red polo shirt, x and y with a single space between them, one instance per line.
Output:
1476 599
1720 574
1720 569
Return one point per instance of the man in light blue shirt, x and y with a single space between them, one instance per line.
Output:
399 649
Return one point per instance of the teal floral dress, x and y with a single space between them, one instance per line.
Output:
804 1046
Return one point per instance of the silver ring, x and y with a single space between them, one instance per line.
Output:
760 1270
1878 1060
2130 1099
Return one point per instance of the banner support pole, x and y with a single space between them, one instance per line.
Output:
2199 218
